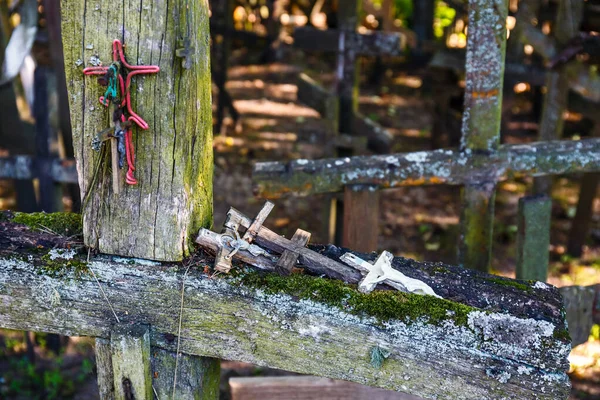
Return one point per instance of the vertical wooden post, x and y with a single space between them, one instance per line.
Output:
194 379
486 49
360 207
50 199
156 218
533 237
568 19
423 24
348 72
222 15
130 351
104 371
361 217
580 226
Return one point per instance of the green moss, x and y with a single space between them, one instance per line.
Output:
383 305
60 267
562 335
510 282
62 223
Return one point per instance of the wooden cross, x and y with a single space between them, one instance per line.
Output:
266 245
124 105
382 272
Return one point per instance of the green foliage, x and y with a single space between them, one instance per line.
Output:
384 305
25 380
62 223
443 17
595 333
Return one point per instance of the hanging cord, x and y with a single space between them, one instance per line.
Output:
111 79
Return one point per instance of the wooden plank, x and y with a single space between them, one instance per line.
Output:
533 237
307 388
288 258
361 217
581 308
374 43
104 369
449 167
437 349
130 353
174 157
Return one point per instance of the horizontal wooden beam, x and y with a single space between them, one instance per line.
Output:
26 167
306 388
375 43
492 338
450 167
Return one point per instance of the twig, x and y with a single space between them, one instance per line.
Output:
156 394
179 331
100 286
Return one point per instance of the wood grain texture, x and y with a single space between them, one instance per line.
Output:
361 218
511 343
533 237
104 370
484 359
155 218
307 388
130 353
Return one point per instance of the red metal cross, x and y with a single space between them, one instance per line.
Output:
119 56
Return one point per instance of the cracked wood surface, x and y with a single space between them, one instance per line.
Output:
155 218
511 345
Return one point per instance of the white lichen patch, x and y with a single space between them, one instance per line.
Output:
541 285
64 254
418 156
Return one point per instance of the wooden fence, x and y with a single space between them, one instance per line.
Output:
479 163
161 323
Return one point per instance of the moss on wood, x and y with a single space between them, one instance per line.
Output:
383 305
62 223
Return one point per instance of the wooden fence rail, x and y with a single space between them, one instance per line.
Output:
449 167
491 338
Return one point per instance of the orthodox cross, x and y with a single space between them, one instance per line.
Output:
116 78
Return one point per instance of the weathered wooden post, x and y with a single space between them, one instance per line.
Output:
173 197
155 218
533 237
565 28
486 48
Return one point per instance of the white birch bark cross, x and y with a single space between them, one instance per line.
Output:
382 272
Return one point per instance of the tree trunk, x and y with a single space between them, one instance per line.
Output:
155 218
